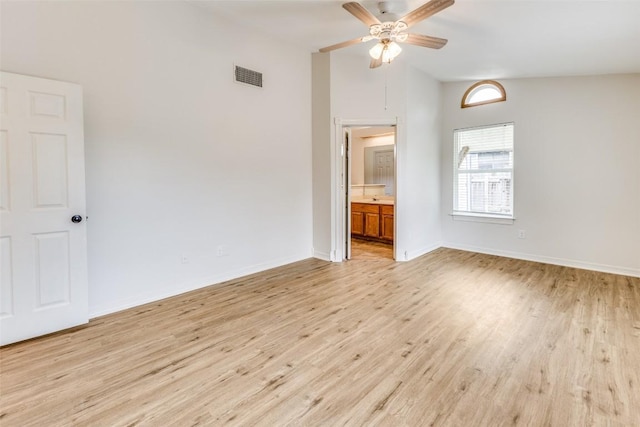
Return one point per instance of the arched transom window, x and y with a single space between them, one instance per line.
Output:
484 92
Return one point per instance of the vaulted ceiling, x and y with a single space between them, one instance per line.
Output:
487 38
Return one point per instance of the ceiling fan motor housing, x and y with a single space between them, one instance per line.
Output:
388 30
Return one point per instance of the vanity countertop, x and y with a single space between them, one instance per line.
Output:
374 201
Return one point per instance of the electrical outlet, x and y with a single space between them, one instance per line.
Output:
222 251
184 259
522 234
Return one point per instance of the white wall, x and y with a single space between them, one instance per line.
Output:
420 172
322 172
360 94
179 158
577 171
354 92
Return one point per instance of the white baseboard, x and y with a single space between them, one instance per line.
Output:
189 286
409 255
625 271
157 295
322 255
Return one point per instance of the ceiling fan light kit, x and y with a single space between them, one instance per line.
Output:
386 51
390 33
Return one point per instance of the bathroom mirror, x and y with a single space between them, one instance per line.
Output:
379 167
373 158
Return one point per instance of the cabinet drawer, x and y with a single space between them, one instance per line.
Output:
363 207
386 209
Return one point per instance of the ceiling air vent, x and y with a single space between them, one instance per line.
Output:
250 77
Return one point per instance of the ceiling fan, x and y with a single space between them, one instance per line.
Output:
390 33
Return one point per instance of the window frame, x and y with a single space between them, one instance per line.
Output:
475 216
476 86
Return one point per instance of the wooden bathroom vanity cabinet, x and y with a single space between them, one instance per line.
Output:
372 221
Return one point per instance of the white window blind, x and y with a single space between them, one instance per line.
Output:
483 171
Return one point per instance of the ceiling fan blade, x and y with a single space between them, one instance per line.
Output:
343 44
357 10
425 11
425 41
375 62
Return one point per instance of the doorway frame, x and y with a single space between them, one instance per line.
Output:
341 182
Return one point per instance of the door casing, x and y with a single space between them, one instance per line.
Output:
341 184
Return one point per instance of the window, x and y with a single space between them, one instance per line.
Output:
483 171
484 92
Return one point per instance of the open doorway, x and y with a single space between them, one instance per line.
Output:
371 184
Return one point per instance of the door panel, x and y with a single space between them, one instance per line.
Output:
4 172
50 169
52 269
372 225
387 227
357 223
43 254
6 278
47 105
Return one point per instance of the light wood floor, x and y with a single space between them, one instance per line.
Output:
450 339
369 250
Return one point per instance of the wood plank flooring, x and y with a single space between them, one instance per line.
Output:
369 250
450 339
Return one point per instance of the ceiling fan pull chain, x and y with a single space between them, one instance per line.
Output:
386 75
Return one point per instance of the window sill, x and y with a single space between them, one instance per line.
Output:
486 218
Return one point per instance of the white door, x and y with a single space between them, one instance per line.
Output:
384 170
347 191
43 259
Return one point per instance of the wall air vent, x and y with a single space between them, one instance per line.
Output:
250 77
